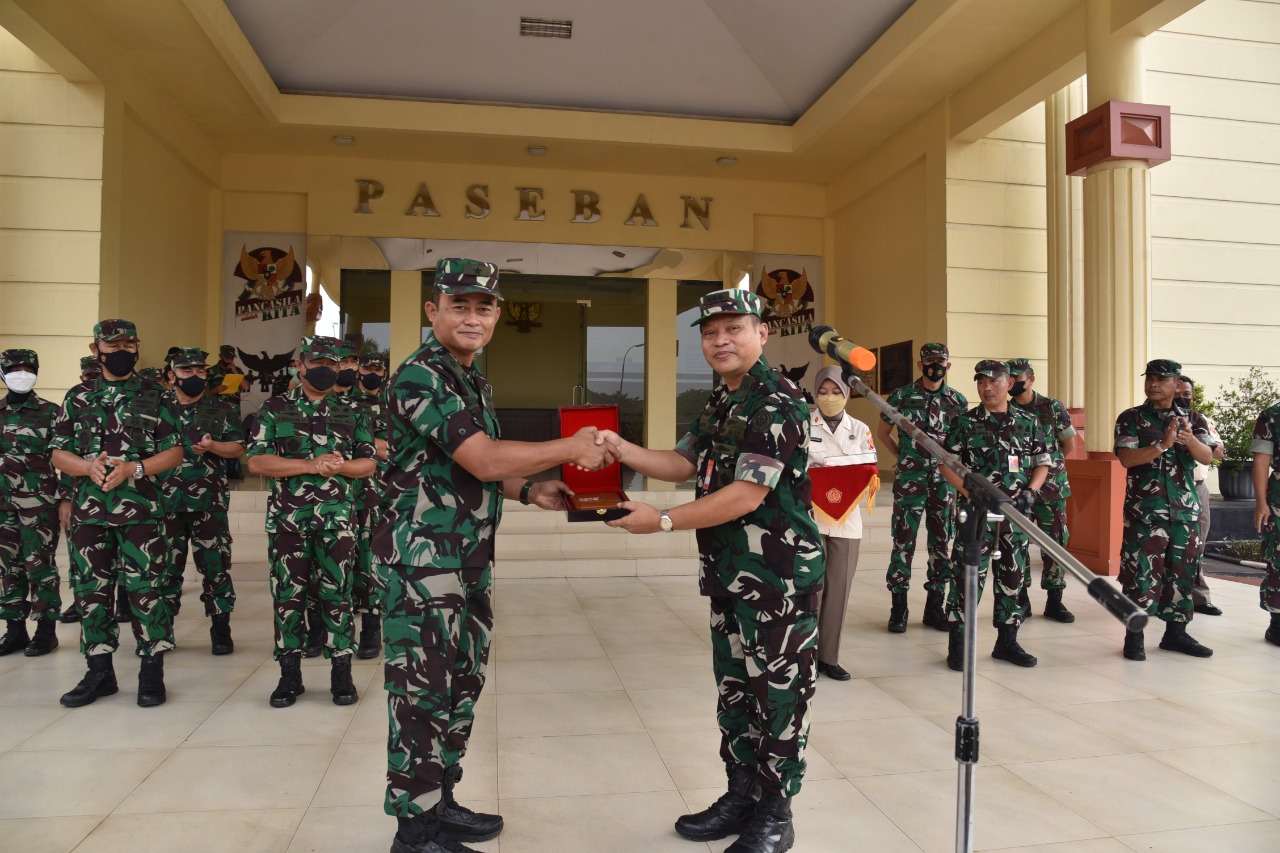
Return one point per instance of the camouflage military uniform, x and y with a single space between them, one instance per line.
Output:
434 553
29 492
1161 511
1265 433
118 533
365 592
763 573
919 487
310 517
1051 509
1004 447
196 503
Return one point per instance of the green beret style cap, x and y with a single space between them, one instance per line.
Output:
115 330
13 357
735 301
456 276
991 367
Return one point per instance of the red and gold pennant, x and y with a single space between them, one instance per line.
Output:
837 489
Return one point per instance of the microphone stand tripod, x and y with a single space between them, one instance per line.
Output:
986 502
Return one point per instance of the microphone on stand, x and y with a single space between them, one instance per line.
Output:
827 340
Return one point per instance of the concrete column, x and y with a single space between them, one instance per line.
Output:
407 315
1064 197
660 370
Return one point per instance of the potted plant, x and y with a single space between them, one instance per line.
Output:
1235 412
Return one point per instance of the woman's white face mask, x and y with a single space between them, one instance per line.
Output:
20 381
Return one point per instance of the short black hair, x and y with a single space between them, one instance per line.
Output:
1187 379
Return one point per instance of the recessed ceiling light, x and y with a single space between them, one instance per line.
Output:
344 140
537 150
546 28
726 161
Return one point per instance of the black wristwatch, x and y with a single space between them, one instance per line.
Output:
524 492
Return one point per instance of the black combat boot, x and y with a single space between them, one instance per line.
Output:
220 634
45 640
1054 608
1134 646
70 615
151 681
955 647
1273 631
99 681
934 616
315 633
1024 602
371 642
289 688
425 834
458 820
898 613
122 603
340 684
1007 647
16 638
728 815
770 829
1176 639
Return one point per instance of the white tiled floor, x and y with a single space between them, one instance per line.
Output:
597 729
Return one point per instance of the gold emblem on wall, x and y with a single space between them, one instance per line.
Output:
524 315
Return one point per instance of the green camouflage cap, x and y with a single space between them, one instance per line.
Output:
991 367
12 357
462 275
735 301
151 374
1018 366
1162 367
115 330
90 364
375 360
934 350
319 346
348 348
227 351
190 357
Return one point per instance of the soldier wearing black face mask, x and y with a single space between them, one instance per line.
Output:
366 397
1201 598
196 496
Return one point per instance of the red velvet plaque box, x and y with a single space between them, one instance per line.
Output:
596 493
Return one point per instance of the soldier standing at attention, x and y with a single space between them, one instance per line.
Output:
314 449
918 487
1266 512
28 510
444 487
1159 449
196 496
1006 445
113 436
1050 511
90 372
366 396
762 566
1201 597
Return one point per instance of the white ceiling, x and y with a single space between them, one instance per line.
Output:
763 60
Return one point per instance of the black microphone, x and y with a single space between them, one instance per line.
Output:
825 339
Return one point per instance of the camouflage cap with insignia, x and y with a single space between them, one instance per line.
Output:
320 346
190 357
1018 366
735 301
1162 367
374 360
934 350
991 367
115 330
456 276
11 358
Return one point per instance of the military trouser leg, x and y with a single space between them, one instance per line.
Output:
1157 567
917 494
1051 517
765 674
366 595
1269 594
28 571
135 555
1010 574
436 629
209 538
297 558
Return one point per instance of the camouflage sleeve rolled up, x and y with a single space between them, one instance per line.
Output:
1062 422
1264 432
1038 453
774 432
263 440
1127 427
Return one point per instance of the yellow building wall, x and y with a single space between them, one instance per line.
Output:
1215 207
51 135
